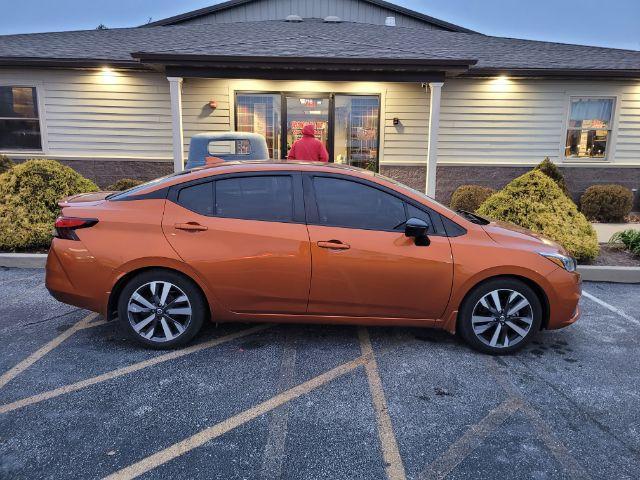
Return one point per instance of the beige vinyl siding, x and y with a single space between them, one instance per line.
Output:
348 10
520 122
406 143
90 114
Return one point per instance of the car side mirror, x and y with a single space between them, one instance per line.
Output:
417 229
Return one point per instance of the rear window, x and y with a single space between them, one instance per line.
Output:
268 198
197 198
229 147
134 190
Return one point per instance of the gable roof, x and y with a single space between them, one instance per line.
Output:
201 12
316 45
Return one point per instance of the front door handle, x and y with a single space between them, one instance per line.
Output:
190 227
334 245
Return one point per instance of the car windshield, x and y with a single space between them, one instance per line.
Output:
142 186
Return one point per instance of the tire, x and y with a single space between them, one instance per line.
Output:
479 318
157 322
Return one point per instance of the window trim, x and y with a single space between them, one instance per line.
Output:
611 141
296 182
313 216
44 144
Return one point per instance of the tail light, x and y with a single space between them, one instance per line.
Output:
66 226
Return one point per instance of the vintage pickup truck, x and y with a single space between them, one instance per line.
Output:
213 147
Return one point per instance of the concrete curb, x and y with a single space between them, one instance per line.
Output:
23 260
593 273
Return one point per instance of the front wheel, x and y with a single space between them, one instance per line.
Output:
500 316
161 309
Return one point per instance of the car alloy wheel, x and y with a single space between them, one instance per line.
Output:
502 318
159 311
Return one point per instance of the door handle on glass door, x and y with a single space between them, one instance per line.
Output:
190 227
333 245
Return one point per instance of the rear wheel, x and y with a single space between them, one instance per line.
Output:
500 316
161 309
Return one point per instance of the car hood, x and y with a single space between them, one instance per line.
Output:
505 232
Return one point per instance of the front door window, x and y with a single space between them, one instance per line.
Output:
303 111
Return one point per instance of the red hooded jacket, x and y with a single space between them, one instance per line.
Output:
308 147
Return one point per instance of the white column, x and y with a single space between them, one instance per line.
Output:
175 90
435 89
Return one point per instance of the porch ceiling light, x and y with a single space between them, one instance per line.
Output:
107 74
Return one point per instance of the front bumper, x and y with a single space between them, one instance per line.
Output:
564 297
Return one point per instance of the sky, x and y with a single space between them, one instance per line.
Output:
612 23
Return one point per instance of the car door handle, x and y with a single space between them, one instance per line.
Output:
334 245
190 227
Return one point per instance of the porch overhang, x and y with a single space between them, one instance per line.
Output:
305 68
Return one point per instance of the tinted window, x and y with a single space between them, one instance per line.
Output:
255 198
197 198
350 204
413 212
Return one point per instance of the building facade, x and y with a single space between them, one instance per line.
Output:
426 102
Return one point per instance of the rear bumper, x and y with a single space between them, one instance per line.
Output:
564 295
70 275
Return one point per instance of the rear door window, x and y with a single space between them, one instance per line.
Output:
345 203
197 198
264 197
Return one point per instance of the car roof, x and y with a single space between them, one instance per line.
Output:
271 165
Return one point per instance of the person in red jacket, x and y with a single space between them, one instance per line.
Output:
308 147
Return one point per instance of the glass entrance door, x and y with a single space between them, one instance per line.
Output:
304 110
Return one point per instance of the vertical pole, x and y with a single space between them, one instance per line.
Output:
435 89
175 90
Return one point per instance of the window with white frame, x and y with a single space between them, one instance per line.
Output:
589 127
19 119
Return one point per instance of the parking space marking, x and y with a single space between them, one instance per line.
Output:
273 456
623 314
127 370
544 431
472 439
188 444
42 351
390 453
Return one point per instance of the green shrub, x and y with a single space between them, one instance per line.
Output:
124 184
5 163
606 203
470 197
553 172
630 238
29 195
536 202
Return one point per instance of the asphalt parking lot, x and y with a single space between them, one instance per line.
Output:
77 400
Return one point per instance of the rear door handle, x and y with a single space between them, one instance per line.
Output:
190 227
334 245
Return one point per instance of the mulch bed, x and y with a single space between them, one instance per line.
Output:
612 256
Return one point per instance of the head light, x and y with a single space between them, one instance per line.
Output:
564 261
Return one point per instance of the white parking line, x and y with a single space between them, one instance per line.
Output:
623 314
42 351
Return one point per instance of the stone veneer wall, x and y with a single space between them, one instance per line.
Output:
450 177
105 172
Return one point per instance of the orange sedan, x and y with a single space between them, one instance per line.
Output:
302 242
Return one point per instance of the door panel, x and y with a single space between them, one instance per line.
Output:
378 274
251 266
